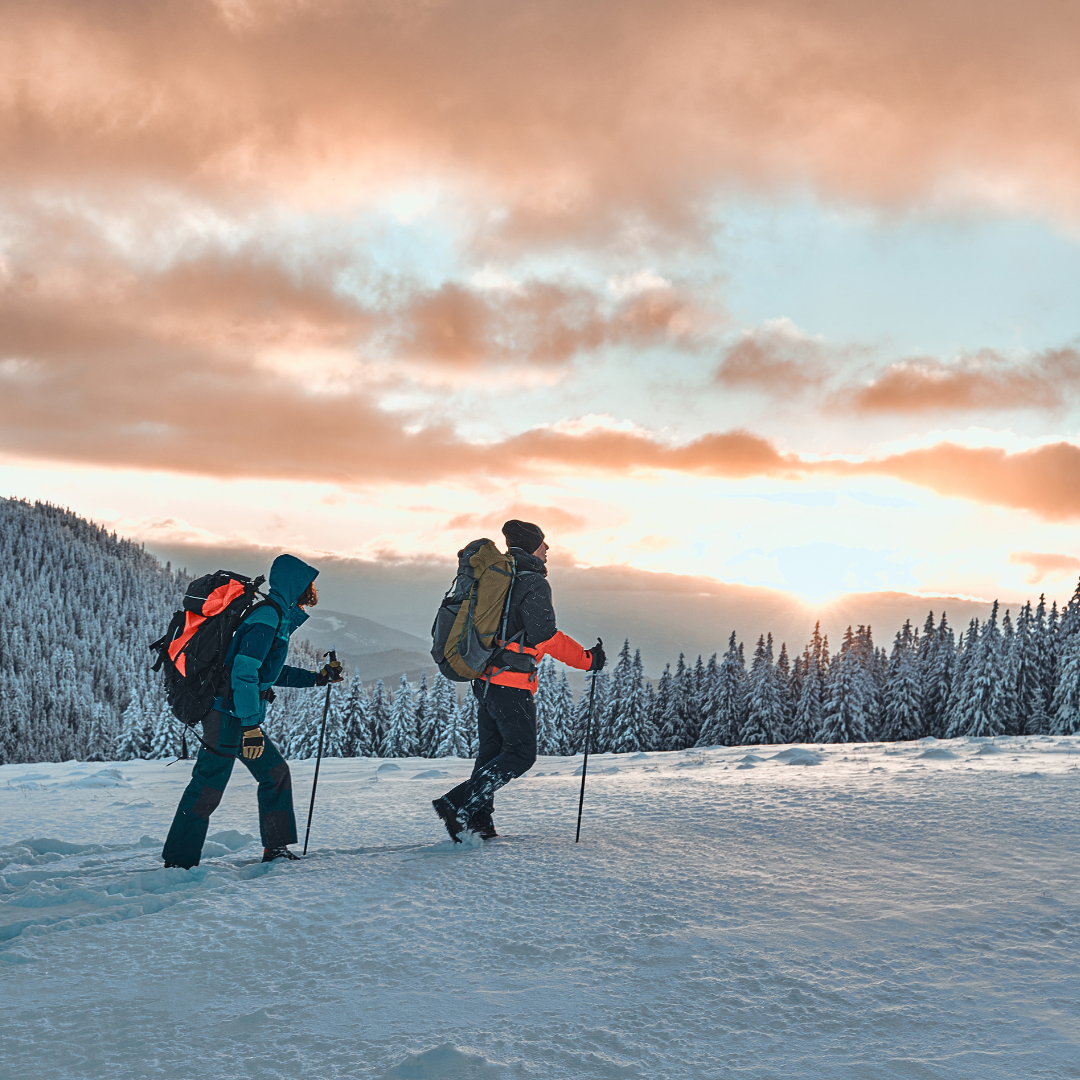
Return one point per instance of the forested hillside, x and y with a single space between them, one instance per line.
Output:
81 605
78 606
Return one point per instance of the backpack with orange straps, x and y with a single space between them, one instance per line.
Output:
192 651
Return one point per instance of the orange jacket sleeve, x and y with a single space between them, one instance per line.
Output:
565 649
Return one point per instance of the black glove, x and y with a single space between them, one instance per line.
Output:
329 673
597 656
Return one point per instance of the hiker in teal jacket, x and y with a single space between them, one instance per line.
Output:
256 659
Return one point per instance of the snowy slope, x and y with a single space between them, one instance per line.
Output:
885 911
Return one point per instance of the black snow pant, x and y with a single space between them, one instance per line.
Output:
277 823
506 732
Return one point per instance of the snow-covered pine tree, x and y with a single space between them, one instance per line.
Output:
924 656
1067 628
447 725
693 703
1031 715
1069 624
663 716
378 715
937 665
808 715
903 695
607 719
764 706
101 737
785 684
1038 722
874 668
401 737
625 722
602 682
982 710
165 742
424 745
640 709
1065 709
129 744
710 684
649 697
1009 666
1052 657
844 709
673 723
303 734
547 733
727 709
149 727
960 689
334 741
470 708
455 741
564 714
355 734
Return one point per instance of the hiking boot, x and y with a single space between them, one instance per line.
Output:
445 809
272 853
484 827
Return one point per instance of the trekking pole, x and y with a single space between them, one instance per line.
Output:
585 761
318 760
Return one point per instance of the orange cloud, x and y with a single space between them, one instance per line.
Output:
983 382
548 518
1045 480
735 454
65 286
539 322
173 406
571 112
1043 564
776 358
167 371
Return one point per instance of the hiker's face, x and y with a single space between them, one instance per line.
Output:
541 551
310 597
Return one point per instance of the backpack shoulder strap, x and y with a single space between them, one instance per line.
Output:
266 603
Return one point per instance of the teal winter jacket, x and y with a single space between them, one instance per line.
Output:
258 649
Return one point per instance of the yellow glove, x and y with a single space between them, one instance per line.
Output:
252 743
329 673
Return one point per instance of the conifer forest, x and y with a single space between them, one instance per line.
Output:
81 605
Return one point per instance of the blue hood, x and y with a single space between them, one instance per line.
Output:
289 579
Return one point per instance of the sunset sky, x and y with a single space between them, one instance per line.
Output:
780 294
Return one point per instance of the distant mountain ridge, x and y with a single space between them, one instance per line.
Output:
662 613
376 651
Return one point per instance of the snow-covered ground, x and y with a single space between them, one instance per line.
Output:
870 912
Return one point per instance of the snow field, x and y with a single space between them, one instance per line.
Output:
873 911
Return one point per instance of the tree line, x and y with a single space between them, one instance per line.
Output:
82 605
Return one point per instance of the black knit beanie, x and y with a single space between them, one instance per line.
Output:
523 534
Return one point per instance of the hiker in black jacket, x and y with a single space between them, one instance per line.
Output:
506 716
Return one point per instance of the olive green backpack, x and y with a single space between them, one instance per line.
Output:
471 620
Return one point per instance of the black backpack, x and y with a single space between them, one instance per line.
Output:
192 651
